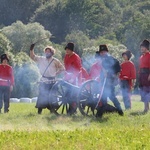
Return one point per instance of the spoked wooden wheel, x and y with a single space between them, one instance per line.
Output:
60 99
88 97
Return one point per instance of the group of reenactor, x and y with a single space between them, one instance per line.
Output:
106 70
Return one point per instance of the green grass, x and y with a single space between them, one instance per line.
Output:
23 129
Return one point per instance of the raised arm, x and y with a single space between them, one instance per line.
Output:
32 54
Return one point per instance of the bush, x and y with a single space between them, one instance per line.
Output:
5 44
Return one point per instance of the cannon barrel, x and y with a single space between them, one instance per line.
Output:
71 90
67 84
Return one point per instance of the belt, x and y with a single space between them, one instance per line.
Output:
47 82
49 78
145 70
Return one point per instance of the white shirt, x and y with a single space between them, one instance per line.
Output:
52 69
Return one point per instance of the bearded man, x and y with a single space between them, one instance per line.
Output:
49 68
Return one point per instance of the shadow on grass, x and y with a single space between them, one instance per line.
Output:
90 119
77 118
30 115
138 113
102 120
51 117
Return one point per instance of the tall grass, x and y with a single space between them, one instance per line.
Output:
23 128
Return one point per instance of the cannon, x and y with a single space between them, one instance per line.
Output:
63 98
88 97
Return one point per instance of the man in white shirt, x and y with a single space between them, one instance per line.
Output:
49 68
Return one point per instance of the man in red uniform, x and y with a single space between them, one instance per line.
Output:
73 65
73 75
6 82
127 78
144 74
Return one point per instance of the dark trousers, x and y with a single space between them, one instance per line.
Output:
43 97
109 92
125 88
4 97
144 87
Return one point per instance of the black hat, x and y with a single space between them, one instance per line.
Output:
128 53
145 43
4 56
70 46
103 48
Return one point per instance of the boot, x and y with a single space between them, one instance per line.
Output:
100 112
39 110
146 107
120 112
72 108
6 110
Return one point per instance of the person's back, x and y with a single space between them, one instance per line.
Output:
111 65
109 76
96 68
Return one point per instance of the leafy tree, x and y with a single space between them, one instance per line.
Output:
110 19
135 25
13 10
63 17
117 50
91 17
22 36
53 17
4 44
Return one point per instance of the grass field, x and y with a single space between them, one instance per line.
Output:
23 129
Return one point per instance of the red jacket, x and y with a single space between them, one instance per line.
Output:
95 70
85 75
73 67
128 72
6 75
145 61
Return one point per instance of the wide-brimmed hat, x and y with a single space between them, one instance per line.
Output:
145 43
103 48
70 46
3 57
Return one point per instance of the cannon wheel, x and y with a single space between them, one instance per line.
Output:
59 100
88 97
